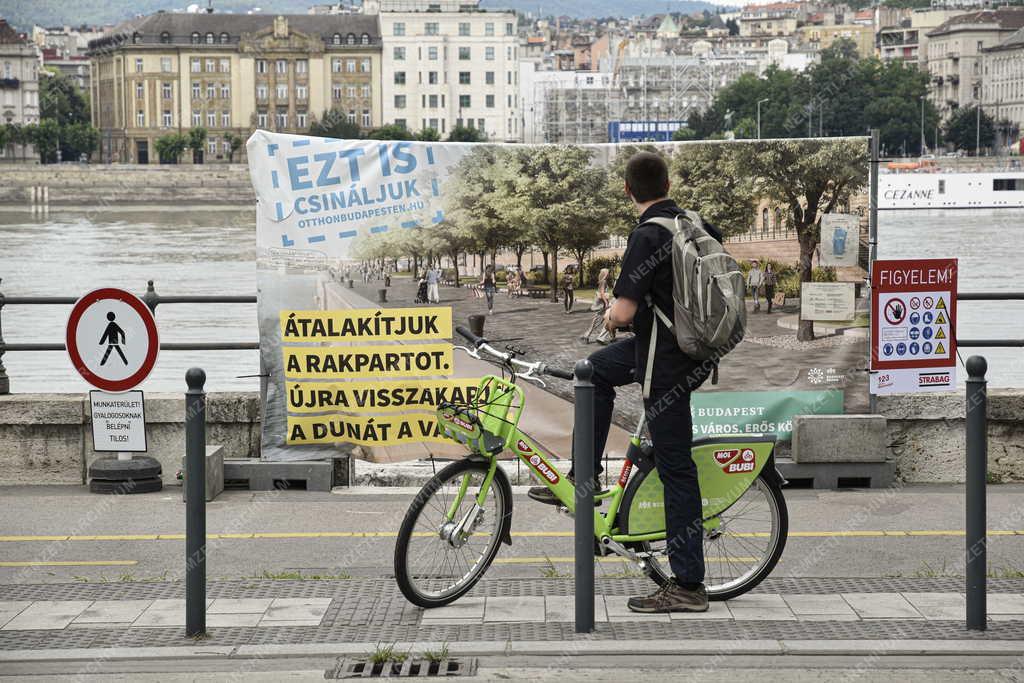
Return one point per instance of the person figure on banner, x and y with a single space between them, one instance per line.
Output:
487 285
770 281
433 279
755 279
601 303
645 282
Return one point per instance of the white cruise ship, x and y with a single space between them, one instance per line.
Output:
928 189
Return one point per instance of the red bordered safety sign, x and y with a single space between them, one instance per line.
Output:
112 339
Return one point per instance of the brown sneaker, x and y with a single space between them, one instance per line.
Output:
671 598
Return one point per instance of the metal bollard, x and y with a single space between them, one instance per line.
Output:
195 503
977 466
382 296
583 466
351 283
5 381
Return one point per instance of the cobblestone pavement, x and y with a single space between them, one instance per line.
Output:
34 616
766 360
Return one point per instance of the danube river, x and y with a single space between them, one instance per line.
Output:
212 252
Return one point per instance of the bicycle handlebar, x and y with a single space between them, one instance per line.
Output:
481 344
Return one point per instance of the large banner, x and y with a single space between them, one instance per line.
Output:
370 252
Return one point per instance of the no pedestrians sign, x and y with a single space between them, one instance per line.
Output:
111 339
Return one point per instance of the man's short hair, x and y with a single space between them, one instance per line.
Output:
647 176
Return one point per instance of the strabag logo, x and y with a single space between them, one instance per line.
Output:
543 469
933 379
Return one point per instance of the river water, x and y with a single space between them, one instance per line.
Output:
213 252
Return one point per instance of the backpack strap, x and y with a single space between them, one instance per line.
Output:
653 344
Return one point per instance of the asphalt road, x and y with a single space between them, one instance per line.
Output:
57 534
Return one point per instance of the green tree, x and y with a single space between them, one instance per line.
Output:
465 134
335 124
962 128
46 138
392 131
472 202
557 190
684 134
811 178
711 180
428 135
79 139
197 142
170 147
235 143
62 100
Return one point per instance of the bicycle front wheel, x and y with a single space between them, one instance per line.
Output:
447 541
742 545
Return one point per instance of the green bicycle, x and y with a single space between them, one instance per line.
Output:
459 519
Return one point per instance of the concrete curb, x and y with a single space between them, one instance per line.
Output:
584 646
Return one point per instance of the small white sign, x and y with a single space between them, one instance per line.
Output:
912 380
118 421
827 301
840 239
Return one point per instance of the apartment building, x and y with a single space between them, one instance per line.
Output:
230 73
1003 90
956 53
907 39
450 63
19 86
821 37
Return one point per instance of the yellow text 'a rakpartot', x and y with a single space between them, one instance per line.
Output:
376 397
392 360
365 431
367 324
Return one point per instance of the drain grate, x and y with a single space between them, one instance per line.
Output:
350 668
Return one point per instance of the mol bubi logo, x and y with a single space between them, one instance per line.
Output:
735 460
543 469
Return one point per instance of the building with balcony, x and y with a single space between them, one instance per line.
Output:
774 19
907 39
1003 86
821 37
230 73
956 50
19 87
449 63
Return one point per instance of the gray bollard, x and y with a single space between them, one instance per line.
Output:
583 466
382 296
195 504
351 283
476 324
977 466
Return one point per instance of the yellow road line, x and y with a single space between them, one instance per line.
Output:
23 538
71 563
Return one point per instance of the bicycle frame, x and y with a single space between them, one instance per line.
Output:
726 466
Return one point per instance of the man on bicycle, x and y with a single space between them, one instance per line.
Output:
647 271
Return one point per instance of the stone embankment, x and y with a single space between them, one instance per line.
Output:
106 186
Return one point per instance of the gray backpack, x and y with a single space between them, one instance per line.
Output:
710 315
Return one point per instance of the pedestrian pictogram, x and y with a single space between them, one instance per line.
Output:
940 319
940 350
928 301
941 334
112 339
895 311
941 304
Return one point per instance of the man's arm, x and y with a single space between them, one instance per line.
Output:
620 313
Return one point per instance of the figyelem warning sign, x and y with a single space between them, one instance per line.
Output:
913 326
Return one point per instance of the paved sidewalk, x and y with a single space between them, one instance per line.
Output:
362 612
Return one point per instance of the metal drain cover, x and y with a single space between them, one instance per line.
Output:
352 668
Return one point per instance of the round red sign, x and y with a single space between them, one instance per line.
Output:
112 339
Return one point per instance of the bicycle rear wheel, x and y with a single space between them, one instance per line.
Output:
744 547
440 556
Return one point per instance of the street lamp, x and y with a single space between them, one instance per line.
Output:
922 126
759 116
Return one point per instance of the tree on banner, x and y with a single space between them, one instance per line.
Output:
709 180
470 201
558 191
812 178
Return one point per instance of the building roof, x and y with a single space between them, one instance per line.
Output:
1015 41
180 26
8 36
1006 18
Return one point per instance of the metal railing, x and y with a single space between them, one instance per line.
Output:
151 298
990 296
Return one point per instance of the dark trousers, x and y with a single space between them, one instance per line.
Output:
670 426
